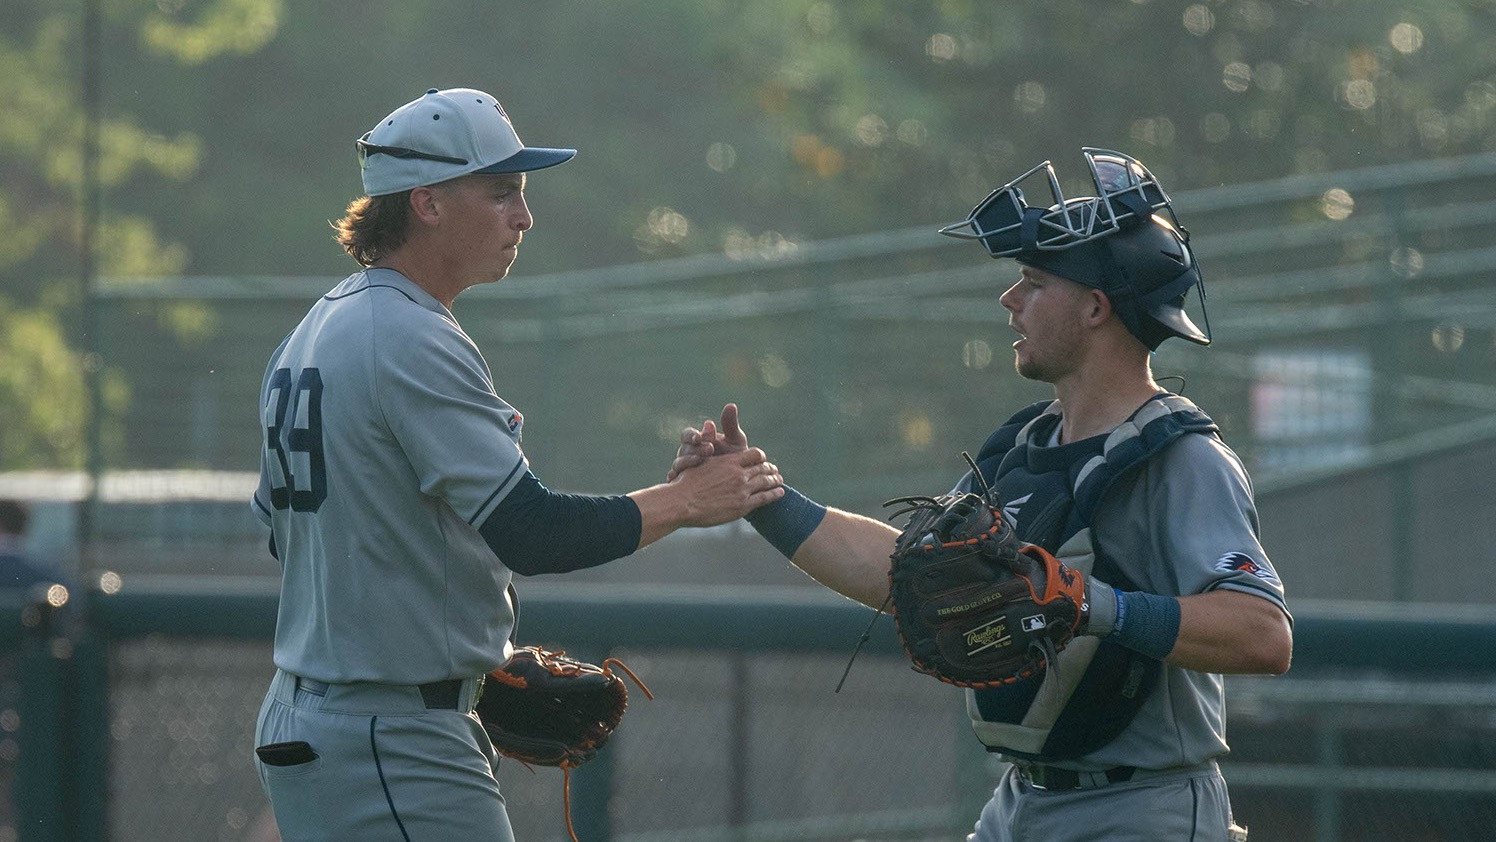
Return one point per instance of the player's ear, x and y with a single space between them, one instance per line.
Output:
1098 306
425 204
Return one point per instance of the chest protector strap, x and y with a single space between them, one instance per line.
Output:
1094 688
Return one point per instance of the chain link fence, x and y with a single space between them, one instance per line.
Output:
1354 368
754 744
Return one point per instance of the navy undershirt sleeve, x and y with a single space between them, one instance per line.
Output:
534 530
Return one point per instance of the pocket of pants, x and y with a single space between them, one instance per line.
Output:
293 753
290 758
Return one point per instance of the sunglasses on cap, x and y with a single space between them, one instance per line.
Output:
365 149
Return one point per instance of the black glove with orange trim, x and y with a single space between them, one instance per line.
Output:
973 605
545 708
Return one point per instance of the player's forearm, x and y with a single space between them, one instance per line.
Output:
848 553
662 510
1230 632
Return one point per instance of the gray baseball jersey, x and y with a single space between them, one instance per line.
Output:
384 446
1186 524
1181 522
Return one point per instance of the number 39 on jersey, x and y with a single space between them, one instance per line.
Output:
294 460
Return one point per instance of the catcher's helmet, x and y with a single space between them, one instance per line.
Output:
1113 241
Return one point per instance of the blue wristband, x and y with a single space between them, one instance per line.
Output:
788 521
1146 623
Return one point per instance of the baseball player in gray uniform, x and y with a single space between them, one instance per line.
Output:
400 503
1127 484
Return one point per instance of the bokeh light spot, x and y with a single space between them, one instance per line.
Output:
912 132
1336 203
1406 262
1406 38
1447 338
871 130
774 371
721 156
916 430
940 47
1359 94
1237 76
1199 19
976 354
1029 96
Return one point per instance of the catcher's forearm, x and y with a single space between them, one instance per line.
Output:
1233 633
848 553
1143 622
845 552
788 521
1224 632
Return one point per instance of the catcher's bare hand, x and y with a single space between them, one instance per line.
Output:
696 446
726 487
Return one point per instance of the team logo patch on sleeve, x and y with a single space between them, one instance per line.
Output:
1243 563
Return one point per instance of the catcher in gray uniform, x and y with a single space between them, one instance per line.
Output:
1112 733
400 503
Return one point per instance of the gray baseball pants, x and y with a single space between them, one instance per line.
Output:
1180 804
372 762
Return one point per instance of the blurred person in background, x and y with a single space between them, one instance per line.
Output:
400 504
1129 485
17 569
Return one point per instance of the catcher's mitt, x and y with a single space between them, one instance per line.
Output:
974 606
546 709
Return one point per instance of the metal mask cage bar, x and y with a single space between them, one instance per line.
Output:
1007 224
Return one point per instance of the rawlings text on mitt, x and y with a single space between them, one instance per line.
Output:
974 606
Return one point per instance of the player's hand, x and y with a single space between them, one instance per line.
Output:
726 487
696 446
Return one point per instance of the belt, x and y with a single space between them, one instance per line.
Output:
437 695
443 695
1053 777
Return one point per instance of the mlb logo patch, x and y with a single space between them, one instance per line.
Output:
1033 624
1243 563
516 421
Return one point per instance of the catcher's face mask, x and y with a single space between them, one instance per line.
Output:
1145 271
1007 225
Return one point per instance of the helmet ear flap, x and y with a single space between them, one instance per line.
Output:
1159 270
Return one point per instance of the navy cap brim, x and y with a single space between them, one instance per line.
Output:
529 159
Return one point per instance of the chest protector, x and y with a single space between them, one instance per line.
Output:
1095 687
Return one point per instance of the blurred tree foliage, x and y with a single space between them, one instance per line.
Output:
711 125
704 125
42 394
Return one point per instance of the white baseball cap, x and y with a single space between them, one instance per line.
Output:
443 135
